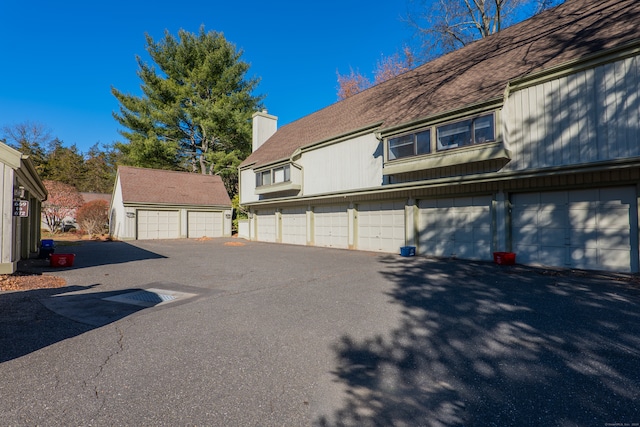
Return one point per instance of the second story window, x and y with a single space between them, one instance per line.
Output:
273 176
411 144
465 132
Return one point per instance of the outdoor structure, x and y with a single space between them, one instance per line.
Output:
527 141
161 204
21 197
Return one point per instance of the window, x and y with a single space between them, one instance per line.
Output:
465 132
411 144
273 176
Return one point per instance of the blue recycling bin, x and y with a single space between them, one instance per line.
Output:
47 247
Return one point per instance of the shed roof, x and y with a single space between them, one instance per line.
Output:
476 73
140 185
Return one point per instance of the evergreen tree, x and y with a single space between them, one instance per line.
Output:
64 164
100 170
195 109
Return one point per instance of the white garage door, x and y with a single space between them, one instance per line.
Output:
331 226
588 229
458 227
381 226
294 226
266 225
204 224
158 224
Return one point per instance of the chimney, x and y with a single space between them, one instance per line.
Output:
264 126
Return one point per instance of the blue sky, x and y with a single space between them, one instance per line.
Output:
60 59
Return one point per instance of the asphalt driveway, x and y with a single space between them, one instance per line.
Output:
192 332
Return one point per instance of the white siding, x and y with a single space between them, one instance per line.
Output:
247 186
589 116
6 212
347 165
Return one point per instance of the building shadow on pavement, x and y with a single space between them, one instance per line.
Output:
31 320
92 254
487 345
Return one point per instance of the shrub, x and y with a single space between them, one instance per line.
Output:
93 217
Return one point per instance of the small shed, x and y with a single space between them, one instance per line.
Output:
21 197
162 204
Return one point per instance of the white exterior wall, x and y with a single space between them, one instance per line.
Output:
589 116
347 165
248 186
6 214
121 226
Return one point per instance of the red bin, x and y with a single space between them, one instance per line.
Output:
504 258
61 260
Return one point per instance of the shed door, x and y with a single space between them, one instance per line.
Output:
331 226
458 227
204 224
587 229
294 226
158 224
381 226
266 225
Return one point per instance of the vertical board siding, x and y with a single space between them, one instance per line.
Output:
591 115
6 214
344 166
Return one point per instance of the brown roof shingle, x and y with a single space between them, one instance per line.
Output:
476 73
141 185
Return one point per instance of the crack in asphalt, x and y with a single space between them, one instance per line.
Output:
101 368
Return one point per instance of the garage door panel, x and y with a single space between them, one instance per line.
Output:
266 226
157 224
583 217
578 229
612 259
612 217
294 226
204 224
587 238
331 226
550 216
549 236
381 226
456 226
554 198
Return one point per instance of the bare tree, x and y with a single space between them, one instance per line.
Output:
29 138
446 25
386 68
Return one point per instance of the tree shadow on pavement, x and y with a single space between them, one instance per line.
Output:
487 345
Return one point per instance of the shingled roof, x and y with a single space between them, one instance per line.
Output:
476 73
141 185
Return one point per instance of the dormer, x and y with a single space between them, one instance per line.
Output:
435 146
280 179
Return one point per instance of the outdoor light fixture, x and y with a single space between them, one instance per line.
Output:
18 192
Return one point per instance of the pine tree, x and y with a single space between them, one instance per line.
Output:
195 109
